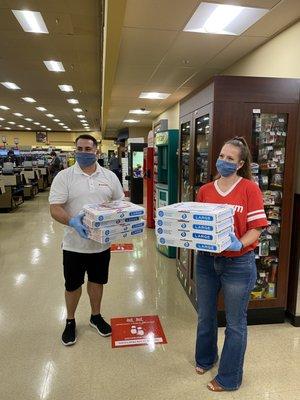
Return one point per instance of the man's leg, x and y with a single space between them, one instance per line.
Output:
72 299
95 292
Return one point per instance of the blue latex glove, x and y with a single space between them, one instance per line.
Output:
236 244
76 223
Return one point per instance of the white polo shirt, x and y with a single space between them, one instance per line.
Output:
74 188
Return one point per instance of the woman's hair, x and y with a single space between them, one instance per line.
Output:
245 155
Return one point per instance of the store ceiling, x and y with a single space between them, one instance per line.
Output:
156 55
74 39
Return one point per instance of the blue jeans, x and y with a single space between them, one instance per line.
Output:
236 276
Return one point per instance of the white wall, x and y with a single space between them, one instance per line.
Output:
172 115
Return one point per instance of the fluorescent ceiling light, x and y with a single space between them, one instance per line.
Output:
72 101
131 121
66 88
28 129
84 120
41 108
48 129
29 99
12 123
61 123
21 126
37 123
31 21
68 129
28 119
50 115
8 128
56 120
77 109
18 114
154 95
4 108
139 112
10 85
223 19
43 126
81 116
2 119
55 66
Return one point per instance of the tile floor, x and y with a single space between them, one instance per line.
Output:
35 365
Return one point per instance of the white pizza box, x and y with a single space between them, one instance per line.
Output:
109 223
113 210
208 237
201 226
112 230
194 211
194 244
119 236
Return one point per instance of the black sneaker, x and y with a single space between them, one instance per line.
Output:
69 334
103 328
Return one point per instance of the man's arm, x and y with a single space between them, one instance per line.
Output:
58 213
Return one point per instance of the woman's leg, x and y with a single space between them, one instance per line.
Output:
208 285
238 279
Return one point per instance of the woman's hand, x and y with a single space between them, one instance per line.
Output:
236 244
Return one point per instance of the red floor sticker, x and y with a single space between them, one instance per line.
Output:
121 247
137 331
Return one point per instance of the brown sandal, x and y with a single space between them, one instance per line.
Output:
200 371
215 387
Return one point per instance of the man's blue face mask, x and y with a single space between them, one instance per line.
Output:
85 159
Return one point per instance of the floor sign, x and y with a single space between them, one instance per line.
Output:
137 331
121 247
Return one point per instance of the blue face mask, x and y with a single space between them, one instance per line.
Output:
226 168
85 159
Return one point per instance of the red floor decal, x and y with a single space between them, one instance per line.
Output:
137 331
121 247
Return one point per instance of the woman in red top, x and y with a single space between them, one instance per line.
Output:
234 270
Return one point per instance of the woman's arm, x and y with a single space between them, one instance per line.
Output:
250 237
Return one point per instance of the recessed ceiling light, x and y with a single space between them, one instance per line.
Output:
65 127
12 123
48 129
28 119
2 119
50 115
131 121
43 126
29 99
72 101
83 120
31 21
21 126
85 124
55 66
223 19
56 120
41 108
68 129
37 123
8 128
139 112
10 85
4 108
80 116
154 95
77 109
28 129
61 123
66 88
18 114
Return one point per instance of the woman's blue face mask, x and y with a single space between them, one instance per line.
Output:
226 168
85 159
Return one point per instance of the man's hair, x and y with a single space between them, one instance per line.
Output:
88 137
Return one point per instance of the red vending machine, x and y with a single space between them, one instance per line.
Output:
148 181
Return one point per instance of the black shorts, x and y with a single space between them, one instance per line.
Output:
76 264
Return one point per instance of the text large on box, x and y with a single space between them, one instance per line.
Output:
137 331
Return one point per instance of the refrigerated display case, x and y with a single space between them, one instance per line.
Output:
265 112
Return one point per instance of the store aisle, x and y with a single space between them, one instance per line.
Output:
35 365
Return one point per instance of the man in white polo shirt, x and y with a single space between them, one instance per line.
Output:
83 183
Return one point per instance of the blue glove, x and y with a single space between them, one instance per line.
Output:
236 244
76 223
